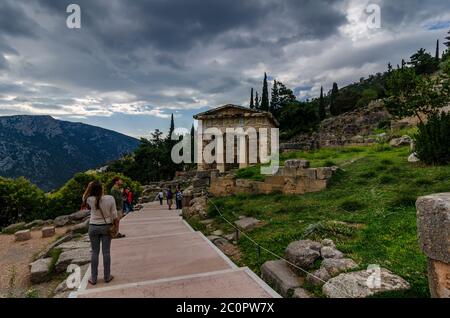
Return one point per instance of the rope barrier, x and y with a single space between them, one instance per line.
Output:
269 251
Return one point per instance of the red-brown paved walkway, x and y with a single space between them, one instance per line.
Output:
162 256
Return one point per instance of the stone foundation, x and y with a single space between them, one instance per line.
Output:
294 178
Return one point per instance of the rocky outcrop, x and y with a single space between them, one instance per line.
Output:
357 284
247 223
335 266
402 141
13 228
61 221
354 127
197 206
303 254
39 270
78 256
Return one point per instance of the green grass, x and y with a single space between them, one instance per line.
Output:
368 210
340 156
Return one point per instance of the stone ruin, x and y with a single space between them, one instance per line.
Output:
349 129
433 225
296 177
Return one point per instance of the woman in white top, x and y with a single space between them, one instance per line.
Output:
103 215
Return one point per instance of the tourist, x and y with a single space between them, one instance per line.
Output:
103 216
127 201
116 192
179 198
130 198
160 197
169 197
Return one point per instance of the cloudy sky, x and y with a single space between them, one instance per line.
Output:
133 63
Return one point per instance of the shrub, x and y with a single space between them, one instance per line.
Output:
20 200
23 201
432 140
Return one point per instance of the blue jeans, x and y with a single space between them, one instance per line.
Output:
99 234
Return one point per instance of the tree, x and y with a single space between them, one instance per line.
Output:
298 117
438 53
403 63
274 102
257 105
171 128
334 94
413 95
265 95
285 96
389 67
252 104
447 44
423 62
322 111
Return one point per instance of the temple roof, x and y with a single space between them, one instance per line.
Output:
212 113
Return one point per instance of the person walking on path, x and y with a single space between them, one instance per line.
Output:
169 196
103 216
179 198
127 201
116 192
160 197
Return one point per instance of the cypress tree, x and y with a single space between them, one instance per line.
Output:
322 112
252 104
172 126
265 95
274 102
438 53
257 106
334 93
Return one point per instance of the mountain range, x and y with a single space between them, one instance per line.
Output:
48 152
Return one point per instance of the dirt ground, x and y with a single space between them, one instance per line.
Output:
15 258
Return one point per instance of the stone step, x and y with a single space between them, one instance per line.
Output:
231 283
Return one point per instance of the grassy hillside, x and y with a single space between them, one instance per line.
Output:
369 210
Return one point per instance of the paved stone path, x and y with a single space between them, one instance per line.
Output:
162 256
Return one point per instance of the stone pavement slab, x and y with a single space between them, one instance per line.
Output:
162 256
235 283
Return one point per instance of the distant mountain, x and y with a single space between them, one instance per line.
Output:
48 152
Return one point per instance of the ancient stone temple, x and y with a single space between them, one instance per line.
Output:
233 117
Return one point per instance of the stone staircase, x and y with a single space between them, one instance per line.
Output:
162 256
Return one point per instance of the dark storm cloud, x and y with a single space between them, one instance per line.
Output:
154 57
409 12
14 21
181 24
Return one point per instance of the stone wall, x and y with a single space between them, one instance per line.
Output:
296 177
433 225
352 128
